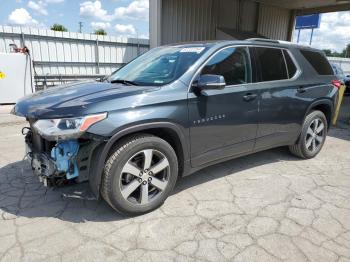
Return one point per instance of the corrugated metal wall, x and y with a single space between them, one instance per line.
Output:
68 53
190 20
274 22
227 13
184 20
249 16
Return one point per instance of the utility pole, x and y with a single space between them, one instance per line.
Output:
80 27
312 34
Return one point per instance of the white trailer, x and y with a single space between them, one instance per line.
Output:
16 77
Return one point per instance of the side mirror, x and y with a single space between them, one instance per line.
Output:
101 79
206 82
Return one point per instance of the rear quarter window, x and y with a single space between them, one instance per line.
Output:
318 61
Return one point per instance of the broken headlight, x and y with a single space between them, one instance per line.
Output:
66 128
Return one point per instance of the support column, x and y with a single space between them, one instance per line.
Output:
155 22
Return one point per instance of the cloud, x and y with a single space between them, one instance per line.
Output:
332 34
144 36
91 9
21 16
38 7
126 30
138 9
100 25
54 1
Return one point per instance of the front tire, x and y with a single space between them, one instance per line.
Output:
139 175
312 137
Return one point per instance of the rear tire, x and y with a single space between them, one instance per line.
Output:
139 175
312 137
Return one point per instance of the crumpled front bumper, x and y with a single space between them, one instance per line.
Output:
59 162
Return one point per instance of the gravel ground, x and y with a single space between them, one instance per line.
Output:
268 206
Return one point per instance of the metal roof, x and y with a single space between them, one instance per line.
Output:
310 6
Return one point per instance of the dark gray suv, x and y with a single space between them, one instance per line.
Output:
175 110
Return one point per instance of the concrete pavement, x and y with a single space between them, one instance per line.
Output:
268 206
7 119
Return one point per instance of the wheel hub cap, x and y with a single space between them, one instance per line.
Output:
148 174
315 135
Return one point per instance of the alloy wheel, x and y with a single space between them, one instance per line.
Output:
315 135
144 176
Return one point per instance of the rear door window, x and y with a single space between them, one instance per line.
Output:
272 64
318 61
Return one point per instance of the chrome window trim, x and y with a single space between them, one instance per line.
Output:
298 71
285 63
296 75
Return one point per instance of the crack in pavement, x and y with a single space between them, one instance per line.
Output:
268 206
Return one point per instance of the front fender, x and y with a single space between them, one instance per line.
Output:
95 175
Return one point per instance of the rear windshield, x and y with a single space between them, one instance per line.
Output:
318 61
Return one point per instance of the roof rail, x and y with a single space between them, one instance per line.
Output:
263 40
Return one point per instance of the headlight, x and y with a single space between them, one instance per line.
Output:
66 127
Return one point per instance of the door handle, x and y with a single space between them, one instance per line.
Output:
301 89
249 97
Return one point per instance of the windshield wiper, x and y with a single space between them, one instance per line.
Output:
125 82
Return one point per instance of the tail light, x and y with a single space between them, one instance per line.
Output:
336 83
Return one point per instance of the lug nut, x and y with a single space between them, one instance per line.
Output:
141 173
149 179
144 182
140 180
150 173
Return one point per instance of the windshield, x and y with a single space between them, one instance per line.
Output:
159 66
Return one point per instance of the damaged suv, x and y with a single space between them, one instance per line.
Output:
177 109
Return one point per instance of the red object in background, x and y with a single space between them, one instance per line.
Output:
23 50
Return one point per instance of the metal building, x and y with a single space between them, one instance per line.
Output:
190 20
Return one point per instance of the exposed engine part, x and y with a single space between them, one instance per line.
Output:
59 163
54 164
64 154
42 165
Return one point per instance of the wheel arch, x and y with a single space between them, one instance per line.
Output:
170 132
323 105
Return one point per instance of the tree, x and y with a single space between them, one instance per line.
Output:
58 27
331 53
328 52
346 51
100 32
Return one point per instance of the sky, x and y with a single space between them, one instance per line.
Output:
118 17
334 32
130 18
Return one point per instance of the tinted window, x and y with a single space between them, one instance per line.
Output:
318 61
232 63
292 69
272 65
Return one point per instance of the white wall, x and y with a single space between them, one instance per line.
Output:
344 63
